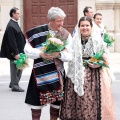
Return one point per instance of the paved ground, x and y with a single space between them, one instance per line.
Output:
12 105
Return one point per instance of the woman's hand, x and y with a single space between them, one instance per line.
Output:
93 65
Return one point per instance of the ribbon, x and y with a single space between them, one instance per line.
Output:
21 62
108 39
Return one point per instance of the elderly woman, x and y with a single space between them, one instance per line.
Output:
87 90
45 85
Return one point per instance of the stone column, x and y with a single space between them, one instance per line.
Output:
117 27
5 6
107 11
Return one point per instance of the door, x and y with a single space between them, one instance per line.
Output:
35 12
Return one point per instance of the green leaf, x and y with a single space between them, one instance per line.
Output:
108 39
98 56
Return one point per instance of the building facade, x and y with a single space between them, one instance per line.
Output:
110 10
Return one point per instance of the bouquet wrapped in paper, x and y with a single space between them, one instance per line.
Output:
54 44
108 39
99 58
22 62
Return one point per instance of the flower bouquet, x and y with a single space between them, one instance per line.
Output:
108 39
22 62
99 58
54 44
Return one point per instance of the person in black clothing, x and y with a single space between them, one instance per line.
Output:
12 45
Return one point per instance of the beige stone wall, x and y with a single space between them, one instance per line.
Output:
82 4
110 10
5 6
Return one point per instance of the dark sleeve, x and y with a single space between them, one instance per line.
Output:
12 40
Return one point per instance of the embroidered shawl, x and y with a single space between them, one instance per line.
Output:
76 68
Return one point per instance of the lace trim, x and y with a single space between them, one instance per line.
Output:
99 95
76 68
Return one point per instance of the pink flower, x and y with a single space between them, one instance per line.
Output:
56 40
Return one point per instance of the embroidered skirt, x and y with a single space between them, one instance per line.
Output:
95 104
32 94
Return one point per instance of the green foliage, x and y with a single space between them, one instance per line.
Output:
108 39
21 62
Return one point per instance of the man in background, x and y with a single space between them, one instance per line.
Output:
12 45
88 11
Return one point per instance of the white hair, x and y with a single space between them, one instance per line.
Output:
54 12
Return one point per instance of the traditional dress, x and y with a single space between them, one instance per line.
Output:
87 91
45 84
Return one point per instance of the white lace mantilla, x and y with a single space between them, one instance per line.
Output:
76 68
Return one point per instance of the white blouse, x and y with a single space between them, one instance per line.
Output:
34 53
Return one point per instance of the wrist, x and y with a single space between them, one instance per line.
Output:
59 56
40 54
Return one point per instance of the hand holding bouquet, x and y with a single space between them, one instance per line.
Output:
54 44
99 58
108 39
22 62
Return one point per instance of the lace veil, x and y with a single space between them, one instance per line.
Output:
75 67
